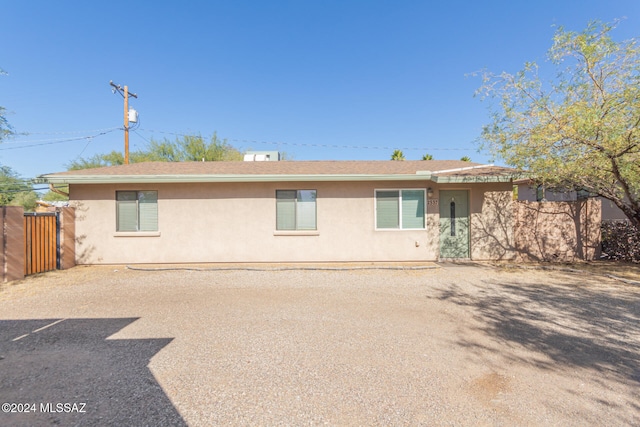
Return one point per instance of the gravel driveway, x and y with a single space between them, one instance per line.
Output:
453 345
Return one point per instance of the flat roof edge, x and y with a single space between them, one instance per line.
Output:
167 179
471 179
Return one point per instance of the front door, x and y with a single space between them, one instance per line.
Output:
454 224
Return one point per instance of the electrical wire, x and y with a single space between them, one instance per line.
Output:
298 144
55 141
85 147
27 133
136 128
140 135
26 190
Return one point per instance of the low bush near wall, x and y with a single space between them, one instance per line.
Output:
620 241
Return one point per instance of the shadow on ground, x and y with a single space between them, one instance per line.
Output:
44 363
564 323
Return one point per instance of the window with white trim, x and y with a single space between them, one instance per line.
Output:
402 209
136 211
296 210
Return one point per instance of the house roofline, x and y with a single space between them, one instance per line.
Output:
209 178
466 168
158 179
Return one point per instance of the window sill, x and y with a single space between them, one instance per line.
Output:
136 234
400 229
296 233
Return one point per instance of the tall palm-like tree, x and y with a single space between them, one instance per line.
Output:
397 155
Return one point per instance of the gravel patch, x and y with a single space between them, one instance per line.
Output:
455 345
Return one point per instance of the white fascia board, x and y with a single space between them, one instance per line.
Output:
466 168
453 179
167 179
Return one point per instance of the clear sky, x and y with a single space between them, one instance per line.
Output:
321 80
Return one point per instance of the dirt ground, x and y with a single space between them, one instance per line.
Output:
446 344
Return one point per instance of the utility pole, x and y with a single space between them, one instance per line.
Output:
124 91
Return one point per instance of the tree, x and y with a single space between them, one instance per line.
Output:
51 196
397 155
427 157
5 127
187 149
15 191
579 129
465 158
113 158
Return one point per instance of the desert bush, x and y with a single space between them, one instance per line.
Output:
620 241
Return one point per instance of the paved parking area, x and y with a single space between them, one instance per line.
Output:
454 345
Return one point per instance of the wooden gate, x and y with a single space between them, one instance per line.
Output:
40 242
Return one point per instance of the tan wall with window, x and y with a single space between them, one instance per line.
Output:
236 222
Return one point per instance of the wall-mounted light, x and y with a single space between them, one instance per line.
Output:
429 192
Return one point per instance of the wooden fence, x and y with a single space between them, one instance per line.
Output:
33 243
41 242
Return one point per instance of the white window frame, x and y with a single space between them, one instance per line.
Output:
399 190
297 230
138 231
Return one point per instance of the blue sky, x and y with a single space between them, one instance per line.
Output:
321 80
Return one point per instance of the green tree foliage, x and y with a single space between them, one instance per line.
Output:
580 128
427 157
51 196
15 191
397 155
465 158
99 160
5 127
186 149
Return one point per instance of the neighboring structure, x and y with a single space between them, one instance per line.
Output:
261 156
528 191
291 211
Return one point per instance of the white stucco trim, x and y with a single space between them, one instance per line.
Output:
136 234
168 179
296 233
165 179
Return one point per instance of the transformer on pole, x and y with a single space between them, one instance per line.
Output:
129 115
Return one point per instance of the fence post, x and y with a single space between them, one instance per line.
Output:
13 245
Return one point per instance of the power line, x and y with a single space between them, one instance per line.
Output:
27 190
299 144
27 133
140 135
101 132
55 141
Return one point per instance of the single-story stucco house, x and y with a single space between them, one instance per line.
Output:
290 211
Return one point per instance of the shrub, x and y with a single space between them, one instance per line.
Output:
620 241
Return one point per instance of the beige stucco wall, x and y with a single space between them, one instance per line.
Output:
67 235
610 212
235 222
12 243
558 231
492 219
